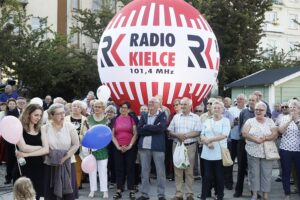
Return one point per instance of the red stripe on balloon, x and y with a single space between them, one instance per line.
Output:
178 20
146 16
207 53
167 16
112 93
218 63
155 88
202 22
143 86
125 95
135 18
196 89
114 85
166 92
156 15
118 21
176 91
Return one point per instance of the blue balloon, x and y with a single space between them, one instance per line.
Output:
97 137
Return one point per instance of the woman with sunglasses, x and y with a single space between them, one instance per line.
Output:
256 131
290 146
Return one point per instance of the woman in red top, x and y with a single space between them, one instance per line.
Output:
124 136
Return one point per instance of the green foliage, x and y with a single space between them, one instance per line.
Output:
237 26
40 60
92 23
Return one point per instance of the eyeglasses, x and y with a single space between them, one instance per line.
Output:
209 103
284 107
175 105
200 111
124 107
259 110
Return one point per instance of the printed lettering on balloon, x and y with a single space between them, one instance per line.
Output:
158 47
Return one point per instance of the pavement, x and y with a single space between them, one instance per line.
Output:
276 193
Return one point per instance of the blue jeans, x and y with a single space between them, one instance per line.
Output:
286 158
159 161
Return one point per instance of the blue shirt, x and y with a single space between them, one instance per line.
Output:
211 129
4 97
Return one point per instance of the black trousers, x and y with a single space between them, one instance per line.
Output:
213 173
11 160
125 167
228 171
242 166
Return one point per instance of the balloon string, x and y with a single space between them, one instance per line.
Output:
18 162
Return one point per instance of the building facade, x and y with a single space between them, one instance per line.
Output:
281 30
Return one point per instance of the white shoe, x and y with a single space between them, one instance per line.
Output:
287 197
105 195
92 194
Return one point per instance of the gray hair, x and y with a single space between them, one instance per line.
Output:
187 100
241 96
53 107
79 103
294 102
112 108
261 104
218 103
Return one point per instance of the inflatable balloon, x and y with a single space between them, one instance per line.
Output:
97 137
89 164
103 93
158 47
36 100
11 129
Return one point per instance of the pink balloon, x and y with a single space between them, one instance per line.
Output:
89 164
11 129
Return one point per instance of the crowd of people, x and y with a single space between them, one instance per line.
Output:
143 143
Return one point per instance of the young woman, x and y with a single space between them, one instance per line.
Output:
31 120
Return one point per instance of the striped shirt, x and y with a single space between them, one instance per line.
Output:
182 124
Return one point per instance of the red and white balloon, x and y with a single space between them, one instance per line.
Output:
162 47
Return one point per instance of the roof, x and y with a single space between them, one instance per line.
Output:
264 77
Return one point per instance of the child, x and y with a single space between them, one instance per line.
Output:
23 189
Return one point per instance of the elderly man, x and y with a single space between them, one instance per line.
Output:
8 93
21 104
185 127
47 102
151 129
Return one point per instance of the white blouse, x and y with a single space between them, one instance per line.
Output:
291 138
258 130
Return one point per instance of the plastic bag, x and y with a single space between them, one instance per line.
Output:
180 156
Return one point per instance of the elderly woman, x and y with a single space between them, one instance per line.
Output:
290 145
214 135
63 142
256 131
111 112
31 119
124 136
80 123
101 155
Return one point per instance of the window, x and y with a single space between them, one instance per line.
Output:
294 1
35 23
96 5
75 4
272 17
293 18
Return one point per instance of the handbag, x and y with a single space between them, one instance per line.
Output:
180 156
226 157
271 150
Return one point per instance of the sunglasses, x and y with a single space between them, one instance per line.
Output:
200 111
284 107
209 103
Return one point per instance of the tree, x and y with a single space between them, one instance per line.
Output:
41 60
238 28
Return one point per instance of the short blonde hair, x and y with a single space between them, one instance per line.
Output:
23 189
